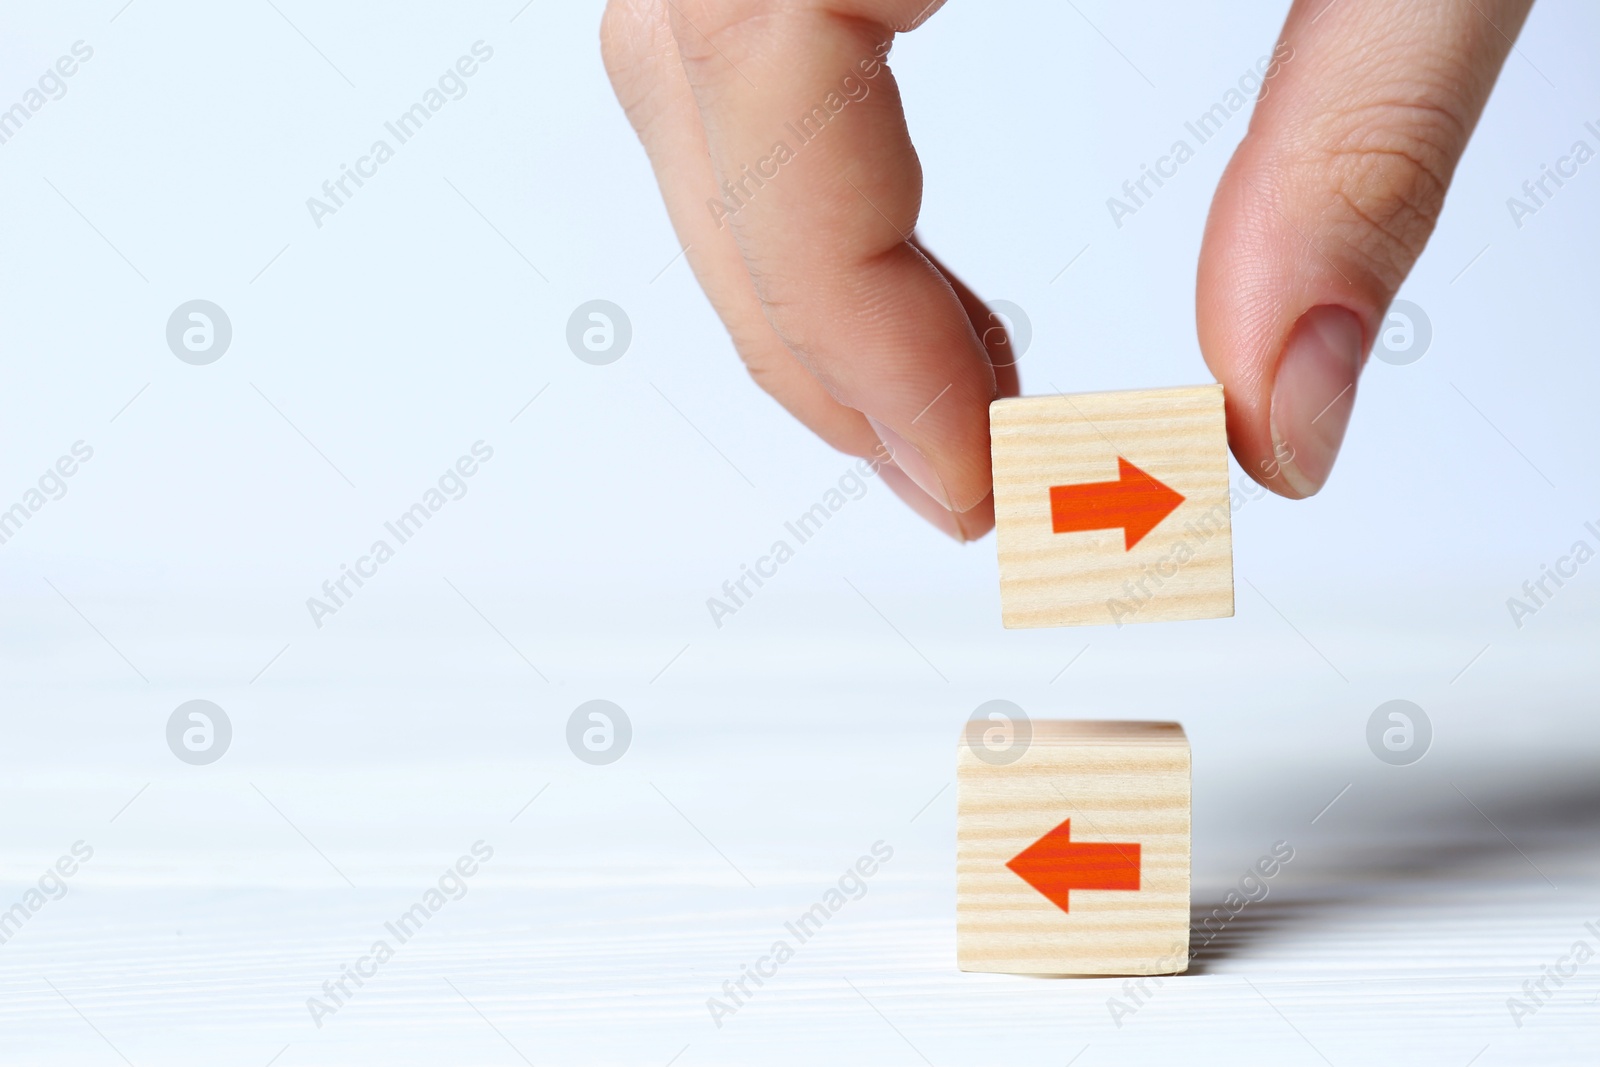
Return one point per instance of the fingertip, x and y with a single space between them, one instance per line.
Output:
913 464
1313 394
962 526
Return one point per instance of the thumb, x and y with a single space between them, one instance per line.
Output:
1326 205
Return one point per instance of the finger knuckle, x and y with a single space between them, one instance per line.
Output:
1387 172
631 31
722 16
637 48
717 37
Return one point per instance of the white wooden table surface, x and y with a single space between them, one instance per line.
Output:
621 899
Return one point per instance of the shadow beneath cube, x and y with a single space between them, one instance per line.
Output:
1480 842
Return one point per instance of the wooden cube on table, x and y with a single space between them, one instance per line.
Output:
1112 507
1072 855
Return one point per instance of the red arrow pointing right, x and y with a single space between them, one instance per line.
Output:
1055 864
1135 501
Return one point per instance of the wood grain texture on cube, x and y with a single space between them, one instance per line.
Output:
1181 569
1118 782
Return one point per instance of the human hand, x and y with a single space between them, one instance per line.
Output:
1325 207
777 136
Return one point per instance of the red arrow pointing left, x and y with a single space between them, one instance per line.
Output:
1055 864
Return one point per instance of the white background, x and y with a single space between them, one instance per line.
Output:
769 753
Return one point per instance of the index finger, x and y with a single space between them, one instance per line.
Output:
822 188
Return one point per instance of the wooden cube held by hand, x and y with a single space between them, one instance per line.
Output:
1112 507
